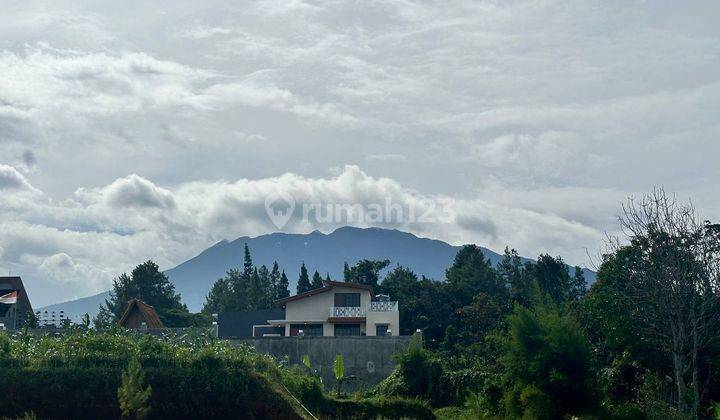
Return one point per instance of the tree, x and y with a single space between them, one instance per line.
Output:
546 359
552 276
265 287
133 396
317 281
365 271
150 285
283 289
511 273
674 286
470 274
578 287
274 279
219 299
303 284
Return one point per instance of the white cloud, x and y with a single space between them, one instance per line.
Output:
532 118
84 241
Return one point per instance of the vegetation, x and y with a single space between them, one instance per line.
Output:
527 340
518 339
86 374
150 285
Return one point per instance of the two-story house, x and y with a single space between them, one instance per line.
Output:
336 309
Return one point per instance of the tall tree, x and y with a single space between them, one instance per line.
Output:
552 276
266 290
275 282
365 271
149 284
511 273
317 281
674 286
472 273
303 284
283 289
219 299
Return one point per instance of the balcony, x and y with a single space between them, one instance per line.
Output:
347 312
387 306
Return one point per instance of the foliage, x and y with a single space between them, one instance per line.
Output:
303 284
149 284
133 396
317 280
547 363
248 289
365 271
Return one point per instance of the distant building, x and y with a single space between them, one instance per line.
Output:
139 314
336 309
15 307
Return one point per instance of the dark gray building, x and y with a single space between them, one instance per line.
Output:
240 324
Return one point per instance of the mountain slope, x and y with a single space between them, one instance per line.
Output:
323 252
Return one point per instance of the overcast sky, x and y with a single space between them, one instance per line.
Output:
150 129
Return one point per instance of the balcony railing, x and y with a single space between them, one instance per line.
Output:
347 312
383 306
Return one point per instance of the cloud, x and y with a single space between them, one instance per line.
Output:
11 179
529 120
390 157
131 191
87 239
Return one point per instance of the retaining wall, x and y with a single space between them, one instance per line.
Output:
370 359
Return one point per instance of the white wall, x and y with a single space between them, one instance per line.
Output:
316 308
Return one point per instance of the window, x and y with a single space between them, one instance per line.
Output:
347 299
309 330
381 330
346 330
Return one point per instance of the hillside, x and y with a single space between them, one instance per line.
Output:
323 252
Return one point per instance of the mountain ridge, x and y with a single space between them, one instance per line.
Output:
319 251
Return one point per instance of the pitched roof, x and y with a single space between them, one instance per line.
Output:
148 312
327 285
16 284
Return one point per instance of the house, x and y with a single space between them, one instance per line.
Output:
139 314
15 307
336 309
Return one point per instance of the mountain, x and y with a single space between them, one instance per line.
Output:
323 252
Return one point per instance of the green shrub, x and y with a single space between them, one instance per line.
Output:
133 395
546 361
192 376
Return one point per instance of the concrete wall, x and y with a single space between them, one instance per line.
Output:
368 358
391 319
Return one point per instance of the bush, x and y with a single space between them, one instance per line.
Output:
191 376
547 364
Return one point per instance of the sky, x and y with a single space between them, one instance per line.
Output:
143 130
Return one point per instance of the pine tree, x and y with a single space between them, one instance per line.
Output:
274 282
266 292
283 289
248 263
317 281
327 277
303 284
346 272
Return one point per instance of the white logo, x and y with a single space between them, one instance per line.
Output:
280 207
